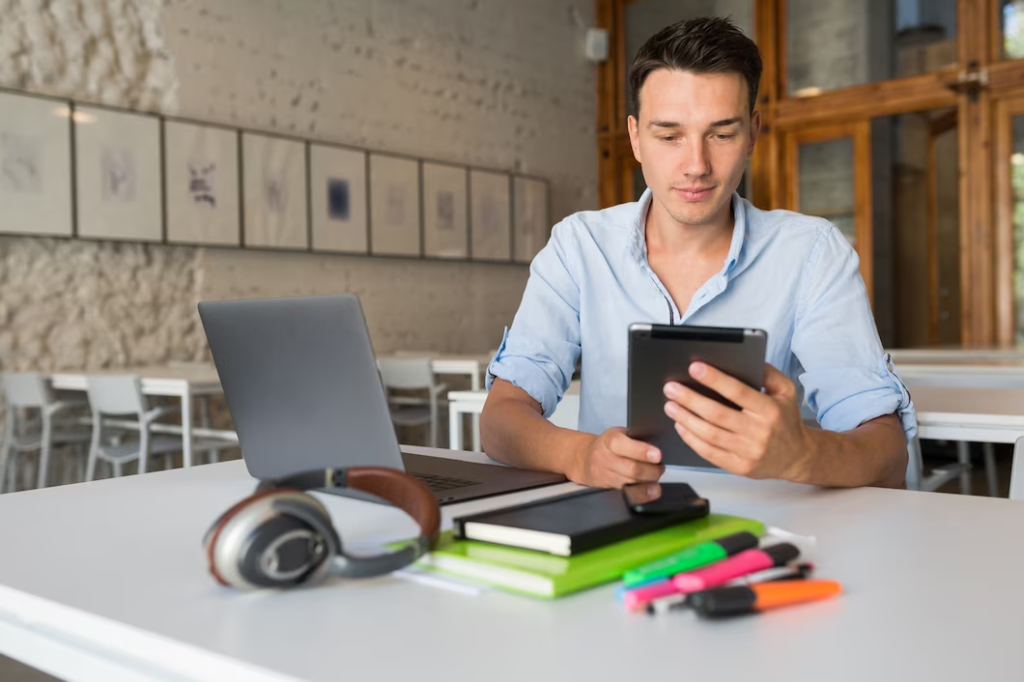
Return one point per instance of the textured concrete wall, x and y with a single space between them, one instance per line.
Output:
65 304
484 82
488 83
493 84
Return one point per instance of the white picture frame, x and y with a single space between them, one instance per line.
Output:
490 215
117 175
445 211
35 166
276 203
530 224
338 199
201 184
394 206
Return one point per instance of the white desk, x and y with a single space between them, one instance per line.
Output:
184 383
963 415
970 373
105 581
472 366
953 353
461 403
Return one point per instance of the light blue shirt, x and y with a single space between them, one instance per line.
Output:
792 275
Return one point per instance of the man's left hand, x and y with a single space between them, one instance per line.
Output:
765 438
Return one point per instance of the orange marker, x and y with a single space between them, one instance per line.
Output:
734 601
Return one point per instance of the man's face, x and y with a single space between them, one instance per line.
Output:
693 138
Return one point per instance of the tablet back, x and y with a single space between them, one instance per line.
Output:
662 353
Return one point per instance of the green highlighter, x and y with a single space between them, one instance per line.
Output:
689 559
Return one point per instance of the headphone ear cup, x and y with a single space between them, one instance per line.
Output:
275 538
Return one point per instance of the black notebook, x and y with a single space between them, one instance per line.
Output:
567 524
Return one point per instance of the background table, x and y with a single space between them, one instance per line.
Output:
965 415
471 365
461 403
105 581
184 382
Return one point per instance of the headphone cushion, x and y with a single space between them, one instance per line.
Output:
258 543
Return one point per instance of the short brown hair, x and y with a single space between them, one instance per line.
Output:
705 45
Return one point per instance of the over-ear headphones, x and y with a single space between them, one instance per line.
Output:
281 536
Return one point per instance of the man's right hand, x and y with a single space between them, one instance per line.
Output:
613 460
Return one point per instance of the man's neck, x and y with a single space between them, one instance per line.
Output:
668 238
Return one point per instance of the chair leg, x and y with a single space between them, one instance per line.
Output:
433 420
963 450
94 446
117 469
212 455
4 463
81 455
90 469
990 469
7 447
915 467
44 454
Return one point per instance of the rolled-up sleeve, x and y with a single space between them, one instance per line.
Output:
848 379
539 353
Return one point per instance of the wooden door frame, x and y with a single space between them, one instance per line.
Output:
936 128
860 132
1005 109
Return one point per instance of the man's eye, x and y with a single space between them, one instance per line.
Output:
724 137
668 139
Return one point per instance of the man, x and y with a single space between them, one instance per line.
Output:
691 251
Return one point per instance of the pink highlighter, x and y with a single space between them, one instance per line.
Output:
639 597
734 567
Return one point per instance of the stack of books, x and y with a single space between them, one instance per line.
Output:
569 543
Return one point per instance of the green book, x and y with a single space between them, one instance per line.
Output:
539 574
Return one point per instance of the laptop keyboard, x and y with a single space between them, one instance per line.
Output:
441 483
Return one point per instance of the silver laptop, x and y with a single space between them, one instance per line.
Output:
302 387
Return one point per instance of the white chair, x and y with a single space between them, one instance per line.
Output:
28 393
118 396
412 374
121 396
1017 471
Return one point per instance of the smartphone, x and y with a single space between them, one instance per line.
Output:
664 498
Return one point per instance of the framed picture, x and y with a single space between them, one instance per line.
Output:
201 184
394 206
490 215
117 175
445 211
530 217
338 193
274 185
35 166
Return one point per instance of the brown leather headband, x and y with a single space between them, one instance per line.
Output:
406 492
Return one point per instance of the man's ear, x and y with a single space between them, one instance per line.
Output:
634 136
755 131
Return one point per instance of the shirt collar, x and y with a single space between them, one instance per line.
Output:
638 244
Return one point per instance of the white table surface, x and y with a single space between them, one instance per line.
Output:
105 581
970 415
964 373
954 353
155 380
472 365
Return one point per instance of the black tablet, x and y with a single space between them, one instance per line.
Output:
661 353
